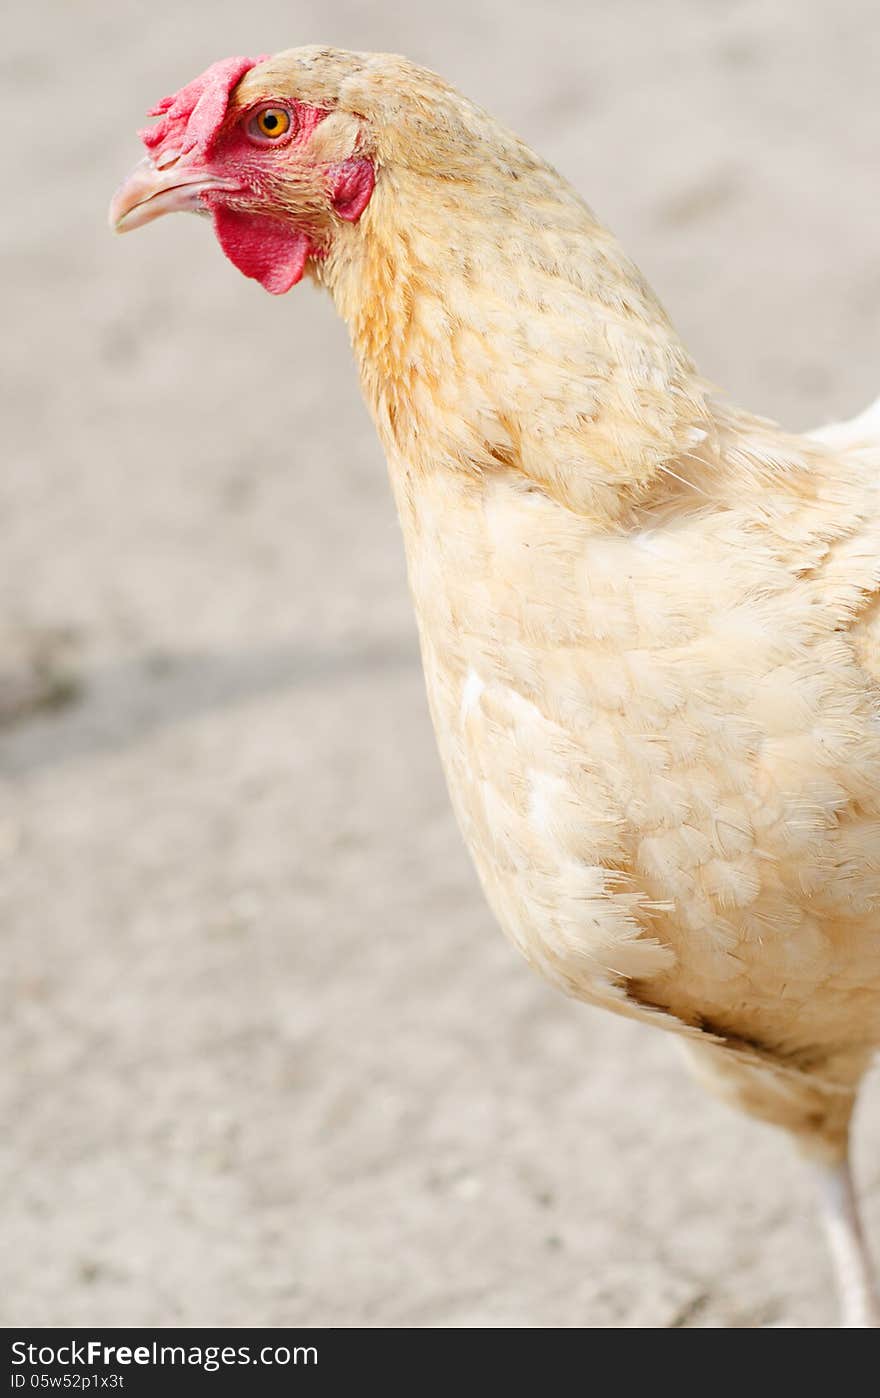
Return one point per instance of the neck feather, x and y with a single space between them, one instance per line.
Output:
497 324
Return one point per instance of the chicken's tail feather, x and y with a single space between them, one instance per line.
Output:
860 433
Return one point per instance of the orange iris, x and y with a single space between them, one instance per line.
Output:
271 123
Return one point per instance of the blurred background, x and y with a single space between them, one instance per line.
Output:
269 1061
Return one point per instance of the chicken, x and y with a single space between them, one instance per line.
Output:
649 621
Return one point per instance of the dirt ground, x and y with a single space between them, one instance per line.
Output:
268 1060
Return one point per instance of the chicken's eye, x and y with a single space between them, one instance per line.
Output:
269 124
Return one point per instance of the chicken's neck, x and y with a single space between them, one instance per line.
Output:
504 328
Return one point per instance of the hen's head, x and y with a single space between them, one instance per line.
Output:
285 151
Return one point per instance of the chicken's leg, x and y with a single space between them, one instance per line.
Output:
854 1274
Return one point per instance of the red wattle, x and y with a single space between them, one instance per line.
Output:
270 250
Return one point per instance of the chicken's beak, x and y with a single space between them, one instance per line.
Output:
152 190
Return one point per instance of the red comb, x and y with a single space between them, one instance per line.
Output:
192 118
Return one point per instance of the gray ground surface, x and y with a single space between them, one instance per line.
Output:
269 1060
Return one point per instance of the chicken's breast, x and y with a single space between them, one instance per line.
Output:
663 747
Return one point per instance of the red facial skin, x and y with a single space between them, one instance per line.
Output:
266 246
